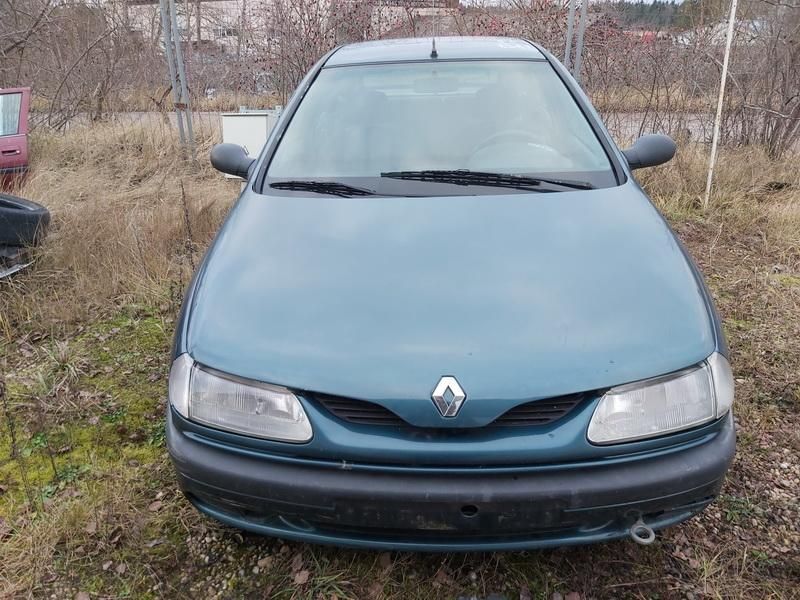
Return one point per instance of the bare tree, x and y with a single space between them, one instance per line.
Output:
294 34
19 21
80 58
89 57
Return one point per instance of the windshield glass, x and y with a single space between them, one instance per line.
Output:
512 117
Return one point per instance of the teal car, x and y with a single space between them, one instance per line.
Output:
442 315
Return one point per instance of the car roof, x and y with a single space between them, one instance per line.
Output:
448 48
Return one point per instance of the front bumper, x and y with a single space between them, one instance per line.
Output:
458 510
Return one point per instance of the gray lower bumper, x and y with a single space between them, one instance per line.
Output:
466 510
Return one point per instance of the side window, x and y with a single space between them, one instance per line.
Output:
10 105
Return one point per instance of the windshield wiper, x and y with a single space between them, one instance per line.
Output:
333 188
466 177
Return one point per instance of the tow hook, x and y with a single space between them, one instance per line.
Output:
642 533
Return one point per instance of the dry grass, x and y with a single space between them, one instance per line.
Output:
87 499
160 99
130 214
675 98
748 188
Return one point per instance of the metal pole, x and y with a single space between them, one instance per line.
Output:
576 72
166 32
717 120
570 31
176 38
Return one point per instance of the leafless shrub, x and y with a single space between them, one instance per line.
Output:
80 57
667 79
764 105
86 59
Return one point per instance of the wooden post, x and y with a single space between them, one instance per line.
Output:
718 119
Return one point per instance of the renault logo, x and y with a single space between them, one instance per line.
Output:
448 396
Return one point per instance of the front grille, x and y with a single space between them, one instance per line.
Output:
359 411
535 413
539 412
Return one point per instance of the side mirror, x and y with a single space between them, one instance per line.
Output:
231 159
650 150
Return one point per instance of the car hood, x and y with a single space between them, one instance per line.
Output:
519 296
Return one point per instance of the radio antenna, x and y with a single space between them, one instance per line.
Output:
434 53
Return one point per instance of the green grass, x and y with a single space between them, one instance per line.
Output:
87 409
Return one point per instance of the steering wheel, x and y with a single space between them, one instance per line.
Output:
519 136
509 135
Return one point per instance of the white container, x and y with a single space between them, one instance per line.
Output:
249 129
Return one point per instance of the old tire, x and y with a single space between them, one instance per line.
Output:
22 222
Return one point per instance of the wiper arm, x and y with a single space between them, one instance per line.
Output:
333 188
466 177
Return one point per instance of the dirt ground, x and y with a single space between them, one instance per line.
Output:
89 507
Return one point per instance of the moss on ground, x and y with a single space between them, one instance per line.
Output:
111 411
88 465
788 280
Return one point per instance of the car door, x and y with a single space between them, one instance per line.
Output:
14 104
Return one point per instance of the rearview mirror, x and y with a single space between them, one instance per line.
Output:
650 150
231 159
436 85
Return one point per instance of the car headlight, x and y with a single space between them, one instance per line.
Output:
665 404
232 404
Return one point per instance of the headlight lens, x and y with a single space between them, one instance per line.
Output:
722 375
228 403
665 404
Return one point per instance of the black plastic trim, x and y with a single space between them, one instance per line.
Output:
254 488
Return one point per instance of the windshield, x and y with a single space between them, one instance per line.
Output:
358 123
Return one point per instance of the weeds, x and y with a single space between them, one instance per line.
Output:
88 502
119 218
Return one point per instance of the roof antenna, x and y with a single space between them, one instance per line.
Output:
434 53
